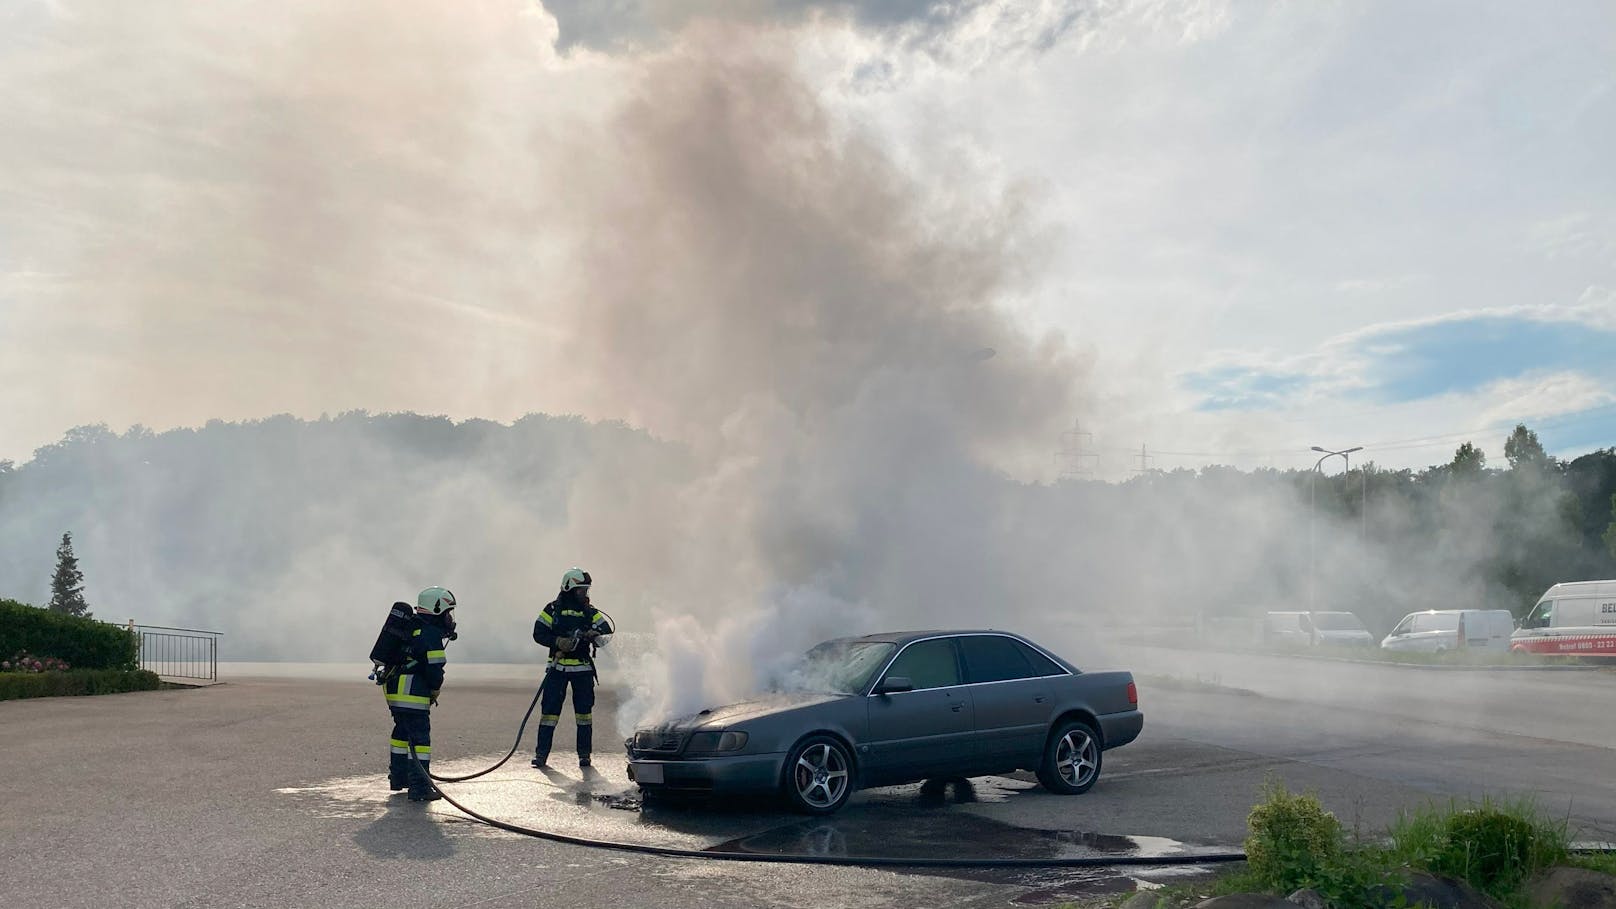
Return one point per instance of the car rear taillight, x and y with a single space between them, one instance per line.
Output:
1133 694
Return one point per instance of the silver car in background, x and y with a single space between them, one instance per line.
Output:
897 708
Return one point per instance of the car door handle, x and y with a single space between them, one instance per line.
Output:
957 708
1039 699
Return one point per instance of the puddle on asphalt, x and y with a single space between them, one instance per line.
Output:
887 830
915 821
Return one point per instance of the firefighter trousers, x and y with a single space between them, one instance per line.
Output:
551 702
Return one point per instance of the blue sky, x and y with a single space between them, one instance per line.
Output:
1446 359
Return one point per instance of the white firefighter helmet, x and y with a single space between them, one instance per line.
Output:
435 600
575 578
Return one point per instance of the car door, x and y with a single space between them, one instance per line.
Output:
1010 688
1400 638
925 732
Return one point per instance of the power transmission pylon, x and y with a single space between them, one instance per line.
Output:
1077 459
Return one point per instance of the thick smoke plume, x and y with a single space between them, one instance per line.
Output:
389 205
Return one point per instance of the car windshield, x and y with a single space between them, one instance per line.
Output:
845 667
1337 621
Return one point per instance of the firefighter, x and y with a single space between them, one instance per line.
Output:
572 629
413 691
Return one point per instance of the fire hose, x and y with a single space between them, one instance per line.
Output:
851 861
841 861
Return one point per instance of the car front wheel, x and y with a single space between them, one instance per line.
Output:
1071 759
818 775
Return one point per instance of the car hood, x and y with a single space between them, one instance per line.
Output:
730 714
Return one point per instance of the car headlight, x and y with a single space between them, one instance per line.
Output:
716 742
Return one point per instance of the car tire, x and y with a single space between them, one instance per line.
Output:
1072 758
818 777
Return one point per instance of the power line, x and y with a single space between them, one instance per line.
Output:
1409 444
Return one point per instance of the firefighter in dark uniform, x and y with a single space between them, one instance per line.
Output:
572 629
414 690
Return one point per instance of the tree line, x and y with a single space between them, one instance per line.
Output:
220 525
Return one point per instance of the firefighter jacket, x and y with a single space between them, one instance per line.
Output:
415 684
568 618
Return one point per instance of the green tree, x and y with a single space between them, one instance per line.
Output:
1468 461
1523 450
67 585
1610 532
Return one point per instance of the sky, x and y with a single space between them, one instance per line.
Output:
1257 227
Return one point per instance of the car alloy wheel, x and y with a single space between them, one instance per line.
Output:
819 777
1072 757
1075 757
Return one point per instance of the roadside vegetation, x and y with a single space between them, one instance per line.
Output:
51 653
75 682
1461 657
1498 848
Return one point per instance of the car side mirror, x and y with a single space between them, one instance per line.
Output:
895 684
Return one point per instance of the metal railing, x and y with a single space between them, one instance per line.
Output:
178 653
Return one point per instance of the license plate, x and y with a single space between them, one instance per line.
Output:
649 773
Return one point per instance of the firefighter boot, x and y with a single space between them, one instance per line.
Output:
586 742
546 737
398 772
420 787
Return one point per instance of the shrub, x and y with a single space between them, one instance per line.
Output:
1497 847
84 643
16 685
1292 839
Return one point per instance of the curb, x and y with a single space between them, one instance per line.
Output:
1302 655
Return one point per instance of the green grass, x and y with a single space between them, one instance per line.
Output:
1467 657
1599 861
1498 846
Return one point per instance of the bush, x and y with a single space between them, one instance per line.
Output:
16 685
1292 839
84 643
1497 847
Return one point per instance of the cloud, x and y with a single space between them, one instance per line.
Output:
624 23
1398 362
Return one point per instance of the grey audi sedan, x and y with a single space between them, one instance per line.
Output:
896 708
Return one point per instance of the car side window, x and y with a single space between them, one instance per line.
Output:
1041 665
1541 616
991 658
1404 627
928 664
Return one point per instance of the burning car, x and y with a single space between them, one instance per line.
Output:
896 708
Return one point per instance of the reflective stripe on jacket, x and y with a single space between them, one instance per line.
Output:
558 621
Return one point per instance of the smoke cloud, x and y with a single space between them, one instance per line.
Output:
394 206
829 423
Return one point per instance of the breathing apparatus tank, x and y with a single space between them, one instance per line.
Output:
392 648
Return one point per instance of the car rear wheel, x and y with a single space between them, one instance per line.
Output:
819 775
1071 759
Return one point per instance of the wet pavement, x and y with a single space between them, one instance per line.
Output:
270 792
918 821
922 821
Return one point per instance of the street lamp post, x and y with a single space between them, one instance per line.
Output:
1313 518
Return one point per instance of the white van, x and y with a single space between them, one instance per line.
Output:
1573 619
1437 630
1315 629
1340 629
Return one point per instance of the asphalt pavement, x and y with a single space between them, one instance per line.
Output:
271 792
